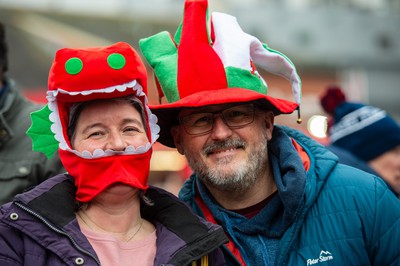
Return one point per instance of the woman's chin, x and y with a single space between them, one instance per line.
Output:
120 189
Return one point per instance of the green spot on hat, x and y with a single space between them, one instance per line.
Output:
73 66
116 61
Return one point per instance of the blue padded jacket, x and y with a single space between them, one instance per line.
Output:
344 217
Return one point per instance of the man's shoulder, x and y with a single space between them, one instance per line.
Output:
346 182
345 175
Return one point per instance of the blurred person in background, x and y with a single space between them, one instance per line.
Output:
282 198
368 133
102 212
20 167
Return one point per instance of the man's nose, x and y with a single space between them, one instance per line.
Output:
220 129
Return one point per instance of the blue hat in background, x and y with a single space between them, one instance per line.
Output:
366 131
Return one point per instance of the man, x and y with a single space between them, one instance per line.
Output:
368 133
20 167
281 198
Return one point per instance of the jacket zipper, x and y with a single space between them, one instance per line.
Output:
57 230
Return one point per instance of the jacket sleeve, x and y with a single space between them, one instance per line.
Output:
10 246
215 258
385 231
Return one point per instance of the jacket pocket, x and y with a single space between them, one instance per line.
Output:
15 177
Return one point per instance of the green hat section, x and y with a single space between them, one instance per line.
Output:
40 132
162 55
241 78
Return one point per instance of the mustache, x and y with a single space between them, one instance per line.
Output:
226 144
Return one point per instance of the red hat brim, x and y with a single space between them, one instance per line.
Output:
168 113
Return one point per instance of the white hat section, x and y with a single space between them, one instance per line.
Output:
237 49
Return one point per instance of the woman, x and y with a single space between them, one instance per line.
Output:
102 212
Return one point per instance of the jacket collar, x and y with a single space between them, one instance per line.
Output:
322 162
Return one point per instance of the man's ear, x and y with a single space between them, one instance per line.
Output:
176 135
269 123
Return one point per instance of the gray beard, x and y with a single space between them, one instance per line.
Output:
240 176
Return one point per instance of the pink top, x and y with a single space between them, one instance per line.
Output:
112 251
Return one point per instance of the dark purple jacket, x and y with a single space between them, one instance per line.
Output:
39 228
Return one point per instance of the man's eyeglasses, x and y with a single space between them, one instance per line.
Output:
234 117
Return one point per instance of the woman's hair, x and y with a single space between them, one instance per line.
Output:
77 108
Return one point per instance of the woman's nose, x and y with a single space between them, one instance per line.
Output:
116 142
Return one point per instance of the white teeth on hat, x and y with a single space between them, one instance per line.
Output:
51 95
98 153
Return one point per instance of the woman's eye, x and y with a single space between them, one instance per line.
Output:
95 134
131 129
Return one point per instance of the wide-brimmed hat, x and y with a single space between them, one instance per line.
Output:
212 61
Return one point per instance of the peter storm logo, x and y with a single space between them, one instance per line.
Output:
323 256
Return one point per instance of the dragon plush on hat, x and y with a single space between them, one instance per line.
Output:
79 75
